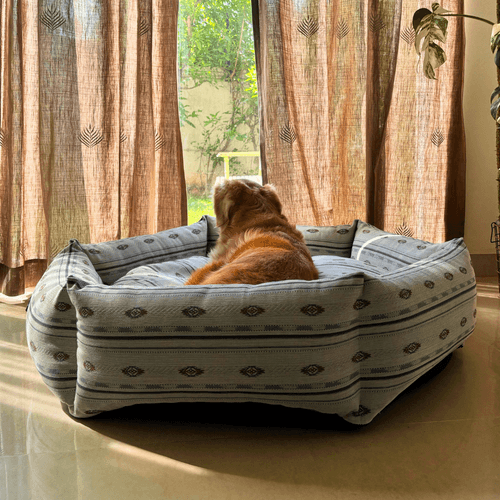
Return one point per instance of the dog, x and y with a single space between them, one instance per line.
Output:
257 244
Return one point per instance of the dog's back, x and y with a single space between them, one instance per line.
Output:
257 244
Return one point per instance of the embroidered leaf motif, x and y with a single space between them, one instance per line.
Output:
408 35
143 27
308 27
404 230
430 27
342 29
437 137
159 140
287 134
405 293
123 137
376 23
3 138
52 18
90 137
463 321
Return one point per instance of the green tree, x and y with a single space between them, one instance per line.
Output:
216 45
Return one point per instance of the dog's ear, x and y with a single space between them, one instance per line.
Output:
224 208
270 194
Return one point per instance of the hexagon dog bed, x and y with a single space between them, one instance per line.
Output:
111 324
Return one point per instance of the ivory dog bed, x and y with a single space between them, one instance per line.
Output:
111 325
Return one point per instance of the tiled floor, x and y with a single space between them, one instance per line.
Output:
441 440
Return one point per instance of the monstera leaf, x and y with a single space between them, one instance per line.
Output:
430 27
495 97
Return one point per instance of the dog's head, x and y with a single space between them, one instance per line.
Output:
239 200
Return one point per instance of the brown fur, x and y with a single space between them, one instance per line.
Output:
257 244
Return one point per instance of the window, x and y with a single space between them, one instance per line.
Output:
218 96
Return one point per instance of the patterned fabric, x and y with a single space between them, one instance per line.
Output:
329 240
170 273
114 259
349 128
347 343
90 143
388 252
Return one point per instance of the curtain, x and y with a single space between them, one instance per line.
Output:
90 144
350 127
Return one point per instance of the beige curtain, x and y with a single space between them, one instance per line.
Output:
350 128
90 143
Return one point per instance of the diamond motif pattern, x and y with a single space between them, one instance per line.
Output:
193 312
360 356
360 304
191 371
412 348
312 310
312 370
252 371
132 371
252 311
136 312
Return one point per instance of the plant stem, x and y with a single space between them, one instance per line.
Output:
472 17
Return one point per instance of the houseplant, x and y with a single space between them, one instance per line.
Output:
431 27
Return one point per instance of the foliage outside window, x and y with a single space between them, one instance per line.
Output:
216 47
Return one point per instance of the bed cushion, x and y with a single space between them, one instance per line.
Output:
321 240
347 343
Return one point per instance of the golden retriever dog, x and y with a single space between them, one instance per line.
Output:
256 244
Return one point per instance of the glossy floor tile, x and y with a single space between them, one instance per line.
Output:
440 440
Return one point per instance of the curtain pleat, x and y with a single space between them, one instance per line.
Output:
90 144
350 126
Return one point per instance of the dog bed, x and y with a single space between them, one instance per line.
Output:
111 324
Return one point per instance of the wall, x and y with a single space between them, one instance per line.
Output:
210 100
480 81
